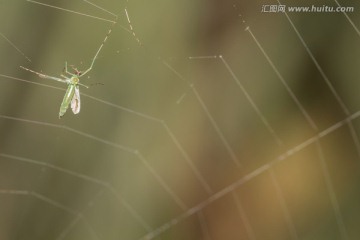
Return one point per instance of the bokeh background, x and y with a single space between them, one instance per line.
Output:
224 123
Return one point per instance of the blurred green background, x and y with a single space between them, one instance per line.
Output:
171 147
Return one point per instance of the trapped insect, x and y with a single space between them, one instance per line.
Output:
72 94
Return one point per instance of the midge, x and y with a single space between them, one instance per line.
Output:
72 94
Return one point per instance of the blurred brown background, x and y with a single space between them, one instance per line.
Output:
205 131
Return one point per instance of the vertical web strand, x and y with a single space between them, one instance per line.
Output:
249 230
217 129
252 103
281 78
283 205
331 191
349 20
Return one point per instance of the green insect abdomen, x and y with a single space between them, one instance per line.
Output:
67 99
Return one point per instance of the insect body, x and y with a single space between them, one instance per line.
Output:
72 95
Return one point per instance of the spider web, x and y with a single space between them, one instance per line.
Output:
215 121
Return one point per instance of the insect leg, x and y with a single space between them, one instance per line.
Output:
44 75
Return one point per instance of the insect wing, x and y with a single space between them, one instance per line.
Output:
75 102
69 95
